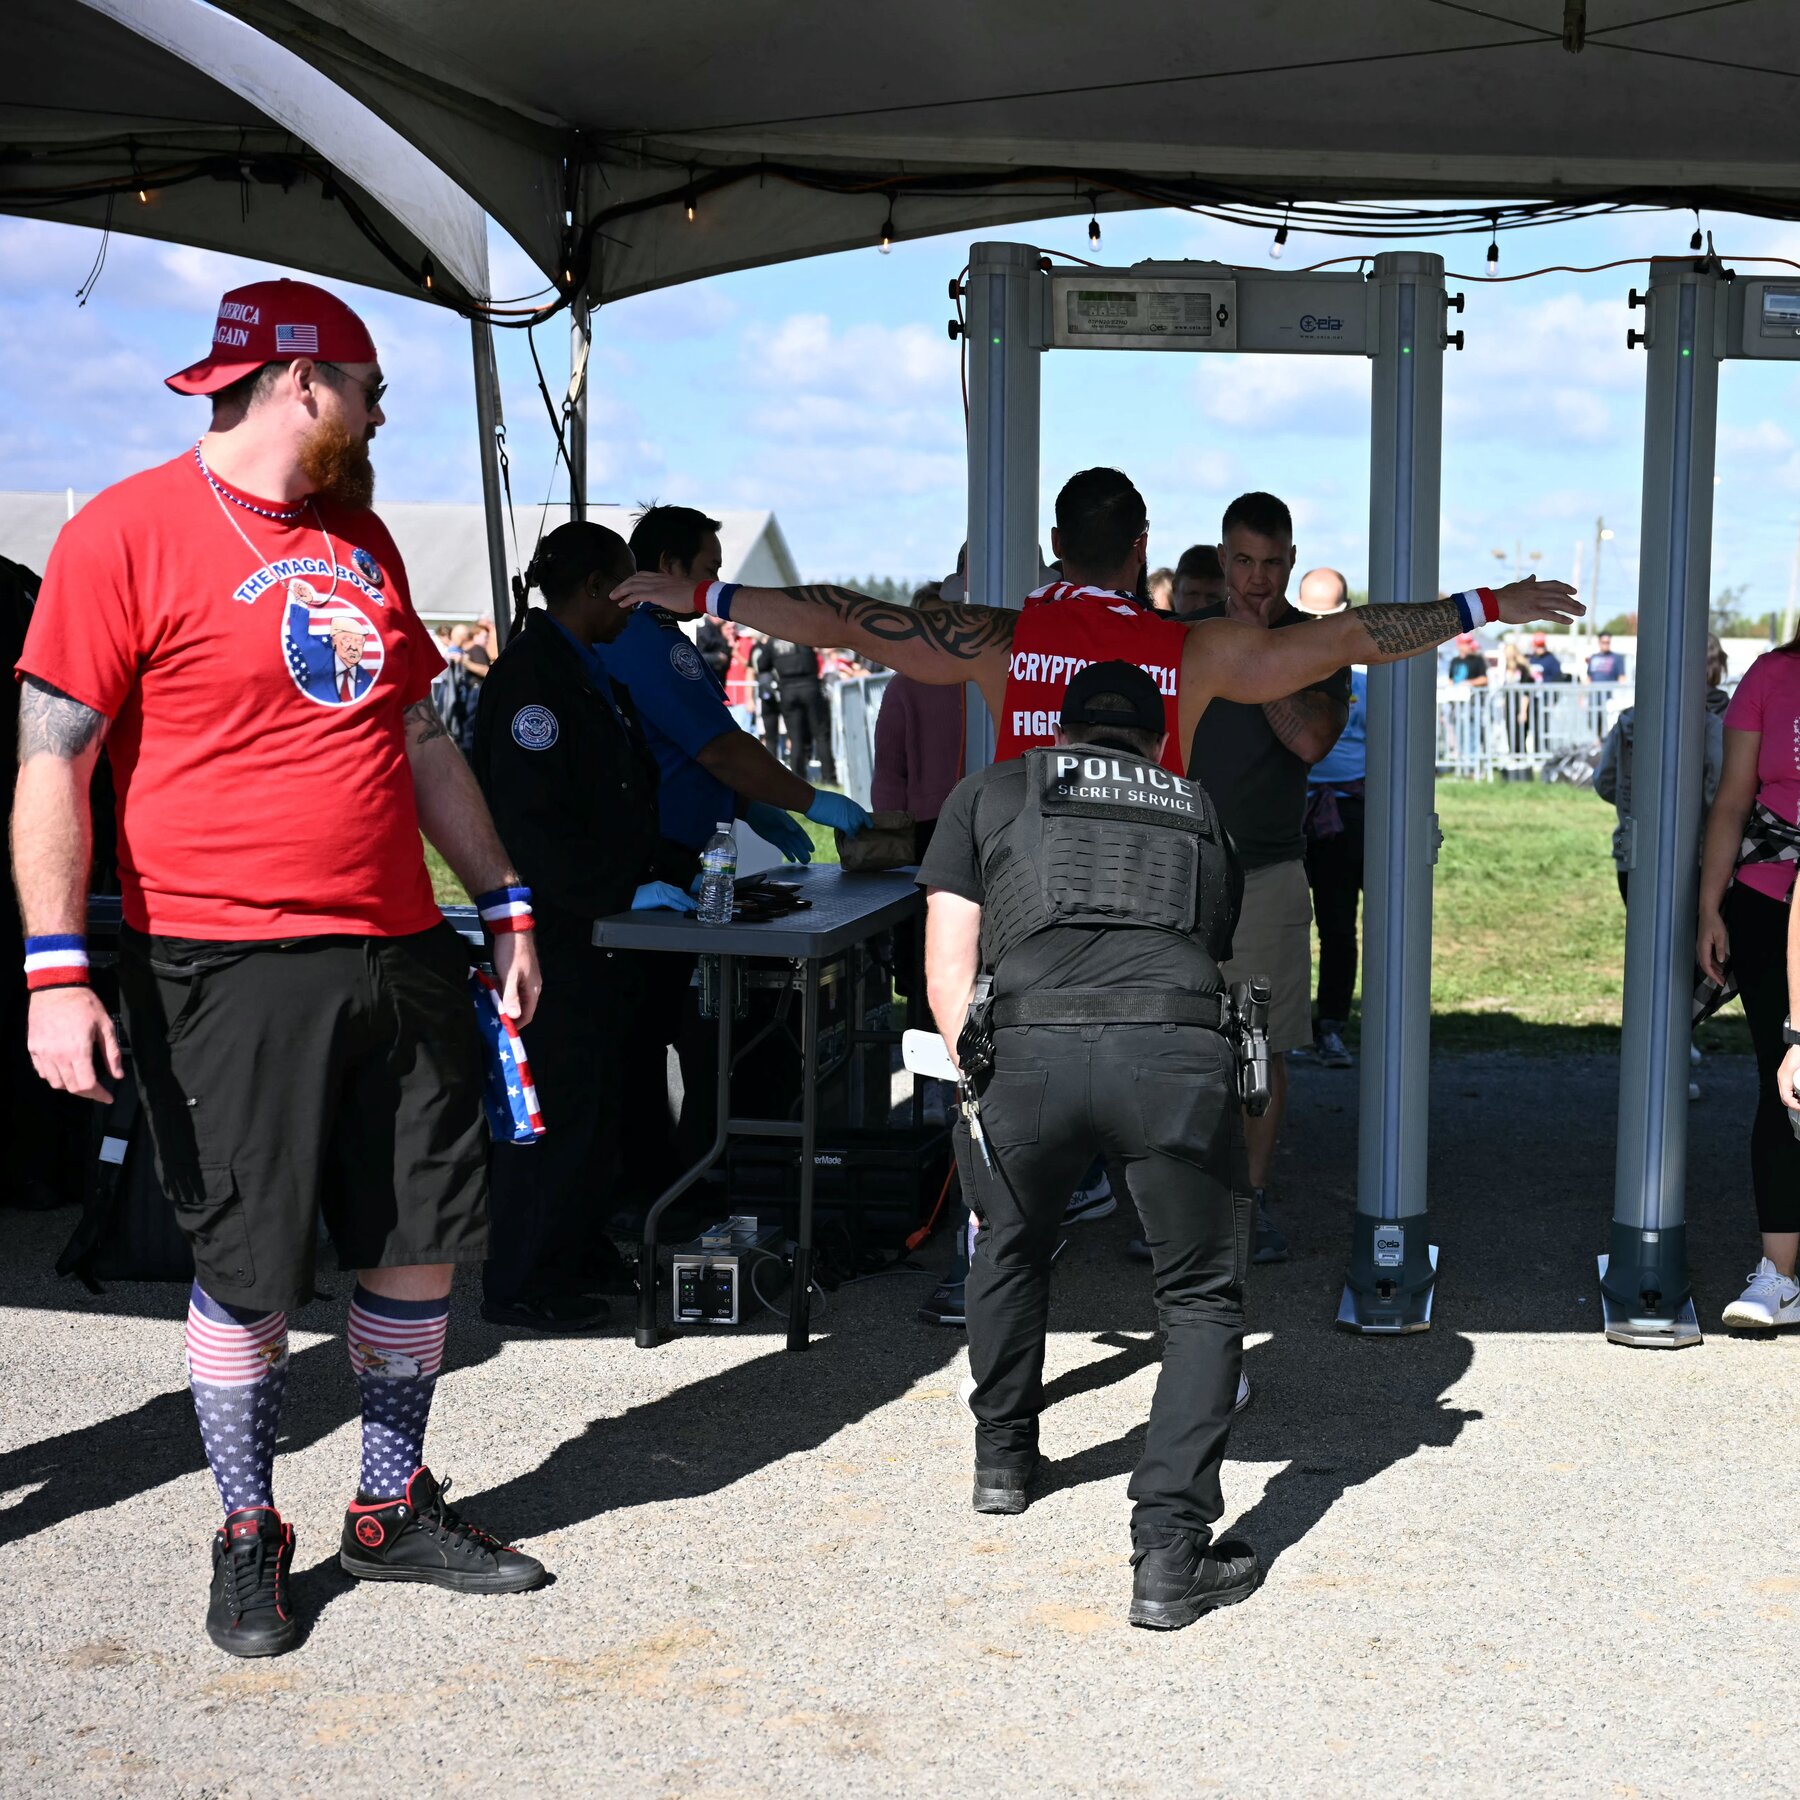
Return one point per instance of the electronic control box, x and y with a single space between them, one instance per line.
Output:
728 1273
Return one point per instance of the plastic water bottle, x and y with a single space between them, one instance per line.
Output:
718 876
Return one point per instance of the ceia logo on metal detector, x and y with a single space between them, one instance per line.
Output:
1390 1246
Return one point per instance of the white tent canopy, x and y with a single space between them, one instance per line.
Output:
802 128
236 144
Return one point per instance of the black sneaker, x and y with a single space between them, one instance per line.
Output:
551 1315
250 1613
1004 1490
1176 1582
421 1537
945 1307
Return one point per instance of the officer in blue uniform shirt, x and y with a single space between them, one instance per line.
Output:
710 769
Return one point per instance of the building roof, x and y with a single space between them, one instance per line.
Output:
444 546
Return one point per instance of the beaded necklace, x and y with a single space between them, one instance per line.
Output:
221 494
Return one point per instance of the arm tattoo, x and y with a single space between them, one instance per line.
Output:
423 724
960 632
1402 630
52 723
1301 712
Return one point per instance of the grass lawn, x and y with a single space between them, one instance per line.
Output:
1528 936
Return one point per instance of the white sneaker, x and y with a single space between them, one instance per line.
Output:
1771 1299
1243 1393
965 1394
1091 1202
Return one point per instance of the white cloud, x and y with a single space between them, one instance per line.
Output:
884 363
1764 438
1320 395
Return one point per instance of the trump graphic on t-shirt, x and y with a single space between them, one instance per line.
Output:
332 651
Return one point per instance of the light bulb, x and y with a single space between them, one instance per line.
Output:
887 234
690 209
1276 247
144 200
427 271
1493 260
1696 242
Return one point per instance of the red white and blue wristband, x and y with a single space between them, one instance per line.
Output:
505 909
715 597
1477 607
60 960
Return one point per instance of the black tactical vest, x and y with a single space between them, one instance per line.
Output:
1108 838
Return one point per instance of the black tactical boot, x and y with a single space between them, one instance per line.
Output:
250 1613
1179 1579
421 1537
1004 1490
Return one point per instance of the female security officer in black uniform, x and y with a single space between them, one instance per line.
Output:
571 783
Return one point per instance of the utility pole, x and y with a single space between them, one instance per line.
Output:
1601 534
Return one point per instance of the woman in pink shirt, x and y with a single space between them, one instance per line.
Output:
1746 881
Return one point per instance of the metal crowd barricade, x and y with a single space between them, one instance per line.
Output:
855 702
1514 728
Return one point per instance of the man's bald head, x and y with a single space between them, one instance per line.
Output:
1322 591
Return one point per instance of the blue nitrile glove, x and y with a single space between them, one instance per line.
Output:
779 828
661 896
838 811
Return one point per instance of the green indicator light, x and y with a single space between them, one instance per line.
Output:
1406 349
1685 351
996 340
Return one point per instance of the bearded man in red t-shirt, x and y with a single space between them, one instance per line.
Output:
235 626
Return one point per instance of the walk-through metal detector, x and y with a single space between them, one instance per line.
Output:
1019 307
1698 315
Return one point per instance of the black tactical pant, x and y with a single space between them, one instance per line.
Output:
806 714
1160 1103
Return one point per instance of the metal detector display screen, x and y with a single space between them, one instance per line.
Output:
1163 315
1781 312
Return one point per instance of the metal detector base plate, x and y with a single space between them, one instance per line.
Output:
1349 1320
1648 1334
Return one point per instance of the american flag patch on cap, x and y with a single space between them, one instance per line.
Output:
297 340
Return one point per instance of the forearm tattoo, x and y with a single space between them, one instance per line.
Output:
963 633
52 723
1299 713
423 724
1400 630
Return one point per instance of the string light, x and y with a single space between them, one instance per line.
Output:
1280 243
1696 242
1093 221
690 206
428 271
1493 255
144 200
887 233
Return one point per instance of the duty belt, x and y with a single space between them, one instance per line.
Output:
1113 1006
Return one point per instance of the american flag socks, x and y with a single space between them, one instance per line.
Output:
237 1368
396 1350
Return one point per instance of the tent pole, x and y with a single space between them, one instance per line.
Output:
1006 346
1393 1265
493 505
575 421
1645 1293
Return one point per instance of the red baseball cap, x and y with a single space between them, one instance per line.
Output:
275 321
1466 638
1539 641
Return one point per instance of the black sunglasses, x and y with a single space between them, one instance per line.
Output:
371 390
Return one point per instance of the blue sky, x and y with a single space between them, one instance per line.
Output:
827 390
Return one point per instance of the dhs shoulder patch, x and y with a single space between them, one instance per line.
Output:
684 659
535 728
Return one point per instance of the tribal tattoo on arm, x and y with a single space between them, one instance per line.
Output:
888 632
422 724
1398 631
52 723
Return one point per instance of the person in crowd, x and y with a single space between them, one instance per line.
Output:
571 781
1022 660
739 680
1468 673
1516 672
459 639
1107 1030
1747 869
714 645
1253 760
709 770
1606 664
297 1008
768 700
1334 842
478 652
1159 584
1546 666
805 715
440 635
1200 586
1612 774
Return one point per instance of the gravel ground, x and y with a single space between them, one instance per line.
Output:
1504 1556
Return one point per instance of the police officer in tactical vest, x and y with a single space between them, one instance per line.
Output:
1081 900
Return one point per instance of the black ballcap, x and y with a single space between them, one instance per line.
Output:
1118 694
